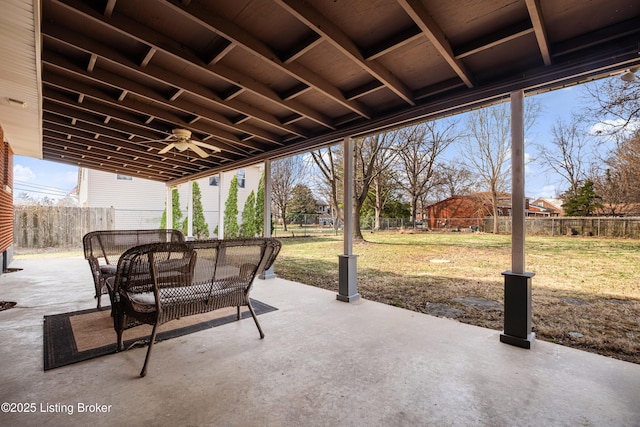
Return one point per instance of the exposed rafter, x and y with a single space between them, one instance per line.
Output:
256 47
535 12
116 59
432 31
129 28
263 79
334 35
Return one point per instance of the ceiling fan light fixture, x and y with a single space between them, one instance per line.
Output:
181 134
181 145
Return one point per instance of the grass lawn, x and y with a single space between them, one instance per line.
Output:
586 291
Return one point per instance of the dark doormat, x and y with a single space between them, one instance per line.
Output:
82 335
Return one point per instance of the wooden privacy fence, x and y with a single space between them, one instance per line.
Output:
57 226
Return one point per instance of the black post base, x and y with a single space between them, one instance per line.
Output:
519 342
517 310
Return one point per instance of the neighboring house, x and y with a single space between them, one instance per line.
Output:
552 204
139 203
456 211
325 214
464 211
534 210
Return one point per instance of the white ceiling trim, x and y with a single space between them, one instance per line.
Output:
20 76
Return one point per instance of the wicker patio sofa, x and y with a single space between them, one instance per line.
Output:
103 248
160 282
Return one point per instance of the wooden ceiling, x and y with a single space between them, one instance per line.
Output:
265 78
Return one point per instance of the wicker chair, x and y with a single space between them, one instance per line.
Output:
103 248
160 282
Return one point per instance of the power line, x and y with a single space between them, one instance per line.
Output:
40 186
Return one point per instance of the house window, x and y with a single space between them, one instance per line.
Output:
214 180
124 177
241 179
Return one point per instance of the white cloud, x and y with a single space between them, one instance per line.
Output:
546 191
23 173
69 179
606 127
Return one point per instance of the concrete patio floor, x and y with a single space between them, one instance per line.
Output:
322 363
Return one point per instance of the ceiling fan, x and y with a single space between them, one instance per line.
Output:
180 139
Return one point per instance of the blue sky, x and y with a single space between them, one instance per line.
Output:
40 178
559 104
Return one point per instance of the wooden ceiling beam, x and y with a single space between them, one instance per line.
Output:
330 32
72 115
221 53
92 107
535 12
503 36
395 42
305 46
129 28
108 9
101 149
422 18
220 155
256 47
229 142
85 130
164 77
97 155
100 153
76 158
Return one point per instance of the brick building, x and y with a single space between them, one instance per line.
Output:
464 211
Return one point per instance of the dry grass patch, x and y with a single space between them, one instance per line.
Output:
586 291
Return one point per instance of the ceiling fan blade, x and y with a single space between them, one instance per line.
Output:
167 148
198 150
207 146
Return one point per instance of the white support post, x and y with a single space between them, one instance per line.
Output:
190 210
268 274
169 204
347 267
517 283
221 201
517 182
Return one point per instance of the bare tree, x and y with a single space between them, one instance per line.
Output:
328 161
616 106
488 147
455 180
626 162
373 156
566 155
286 173
617 179
384 187
423 144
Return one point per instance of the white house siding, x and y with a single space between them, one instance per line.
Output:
139 203
210 193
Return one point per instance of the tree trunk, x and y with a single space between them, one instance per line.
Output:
414 210
283 215
357 231
377 207
494 202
